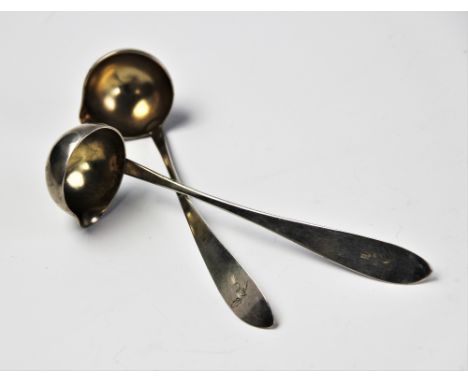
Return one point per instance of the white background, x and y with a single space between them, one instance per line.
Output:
353 121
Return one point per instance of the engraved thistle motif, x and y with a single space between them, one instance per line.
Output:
241 292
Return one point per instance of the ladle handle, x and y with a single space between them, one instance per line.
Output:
234 284
370 257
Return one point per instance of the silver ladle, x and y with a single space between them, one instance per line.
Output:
131 91
86 165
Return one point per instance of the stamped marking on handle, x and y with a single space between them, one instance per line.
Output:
375 256
241 292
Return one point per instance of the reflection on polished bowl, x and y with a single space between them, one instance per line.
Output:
129 90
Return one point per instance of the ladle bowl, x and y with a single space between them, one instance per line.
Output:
84 170
127 89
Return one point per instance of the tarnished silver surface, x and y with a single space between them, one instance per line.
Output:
131 91
370 257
